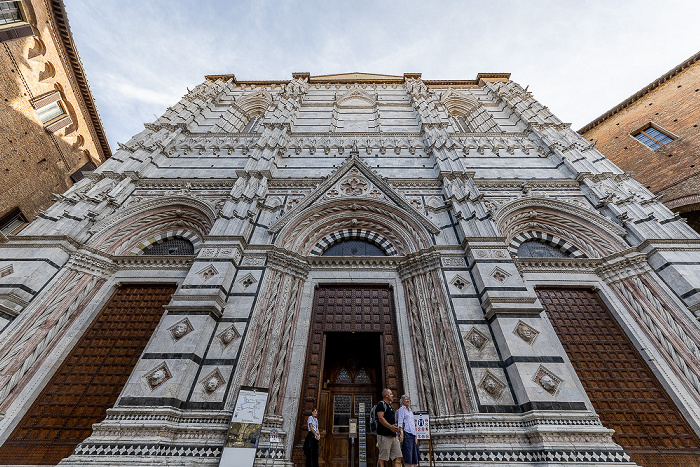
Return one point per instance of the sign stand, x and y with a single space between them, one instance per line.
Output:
423 432
244 430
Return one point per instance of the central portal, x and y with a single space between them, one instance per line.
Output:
352 354
351 377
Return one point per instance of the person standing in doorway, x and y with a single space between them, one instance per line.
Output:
312 438
389 447
407 427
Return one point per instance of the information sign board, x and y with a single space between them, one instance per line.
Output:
422 425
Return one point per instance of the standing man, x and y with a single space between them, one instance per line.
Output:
389 448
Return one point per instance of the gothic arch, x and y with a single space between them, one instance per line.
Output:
142 224
255 104
311 226
193 238
459 104
351 234
467 113
582 230
552 240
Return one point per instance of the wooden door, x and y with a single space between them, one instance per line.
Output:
90 379
341 312
624 391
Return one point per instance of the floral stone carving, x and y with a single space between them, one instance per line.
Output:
208 272
353 186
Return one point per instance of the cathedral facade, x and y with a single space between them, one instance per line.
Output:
323 237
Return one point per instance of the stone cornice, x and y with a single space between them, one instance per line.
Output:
367 78
211 183
517 184
57 12
354 262
419 263
153 262
557 265
622 265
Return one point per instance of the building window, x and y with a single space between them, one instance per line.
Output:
51 111
11 222
253 123
171 246
10 12
652 137
354 247
12 22
537 249
80 173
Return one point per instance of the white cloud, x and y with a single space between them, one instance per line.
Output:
579 58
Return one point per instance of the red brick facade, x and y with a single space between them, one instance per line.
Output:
36 69
672 104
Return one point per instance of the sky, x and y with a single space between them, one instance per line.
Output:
579 58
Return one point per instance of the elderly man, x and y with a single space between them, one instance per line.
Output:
389 447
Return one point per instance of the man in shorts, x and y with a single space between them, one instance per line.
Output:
389 447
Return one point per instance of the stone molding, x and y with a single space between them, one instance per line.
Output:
288 263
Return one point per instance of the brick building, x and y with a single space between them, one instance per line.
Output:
50 131
655 134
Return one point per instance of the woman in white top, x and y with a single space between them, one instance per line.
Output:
311 442
407 427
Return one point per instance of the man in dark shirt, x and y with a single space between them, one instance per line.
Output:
389 447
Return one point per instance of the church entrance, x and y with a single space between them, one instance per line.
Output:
352 354
350 387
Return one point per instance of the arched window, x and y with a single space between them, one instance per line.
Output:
461 124
253 124
354 247
537 249
171 246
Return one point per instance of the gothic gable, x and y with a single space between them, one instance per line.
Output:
355 179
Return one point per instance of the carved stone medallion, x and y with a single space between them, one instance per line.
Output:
158 376
492 385
548 380
526 332
181 329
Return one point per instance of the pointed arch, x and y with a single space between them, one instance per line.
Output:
571 228
353 234
172 234
467 113
553 241
313 226
255 104
147 222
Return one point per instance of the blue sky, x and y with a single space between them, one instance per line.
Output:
580 58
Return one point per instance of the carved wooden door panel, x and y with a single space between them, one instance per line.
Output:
347 309
624 391
90 379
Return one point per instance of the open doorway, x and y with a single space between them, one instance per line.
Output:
352 377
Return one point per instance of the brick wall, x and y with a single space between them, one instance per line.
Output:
674 169
35 163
